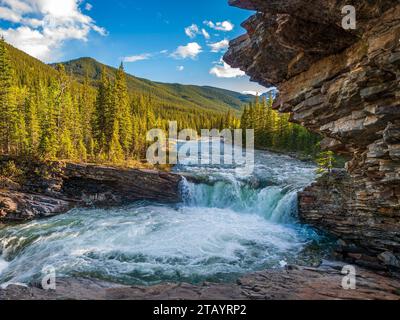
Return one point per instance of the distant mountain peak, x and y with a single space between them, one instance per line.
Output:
169 94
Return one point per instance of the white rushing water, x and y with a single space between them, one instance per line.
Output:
227 226
3 265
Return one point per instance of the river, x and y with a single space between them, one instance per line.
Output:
229 225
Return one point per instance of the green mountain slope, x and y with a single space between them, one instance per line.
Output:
186 98
167 95
27 68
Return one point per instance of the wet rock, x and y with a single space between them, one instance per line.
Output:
17 206
389 259
98 185
55 187
296 283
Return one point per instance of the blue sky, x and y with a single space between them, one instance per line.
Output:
169 41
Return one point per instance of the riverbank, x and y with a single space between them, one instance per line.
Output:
236 225
37 189
291 283
370 243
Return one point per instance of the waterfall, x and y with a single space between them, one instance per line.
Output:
274 203
228 225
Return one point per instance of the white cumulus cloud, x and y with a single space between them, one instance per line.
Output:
226 26
180 68
42 26
192 31
219 46
224 70
191 50
139 57
9 15
205 34
252 93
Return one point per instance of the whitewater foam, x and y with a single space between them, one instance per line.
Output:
3 265
229 225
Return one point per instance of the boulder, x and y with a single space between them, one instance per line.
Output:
99 185
55 187
17 206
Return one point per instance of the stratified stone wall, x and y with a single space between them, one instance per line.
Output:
346 86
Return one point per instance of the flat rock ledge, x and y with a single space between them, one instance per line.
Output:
292 283
53 188
16 206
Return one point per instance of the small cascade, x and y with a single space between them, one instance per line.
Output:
274 203
185 190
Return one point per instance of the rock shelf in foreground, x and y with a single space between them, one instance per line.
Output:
293 283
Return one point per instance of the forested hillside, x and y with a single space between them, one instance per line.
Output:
45 112
85 111
274 131
186 97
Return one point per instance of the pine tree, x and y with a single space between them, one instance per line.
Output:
86 110
67 118
49 143
32 121
326 162
66 149
102 112
116 153
122 111
20 137
8 112
274 130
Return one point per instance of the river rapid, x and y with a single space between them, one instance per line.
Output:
229 225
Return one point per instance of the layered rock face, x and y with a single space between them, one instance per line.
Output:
18 206
112 186
344 84
55 187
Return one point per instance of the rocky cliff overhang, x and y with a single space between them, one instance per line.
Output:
344 84
286 37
